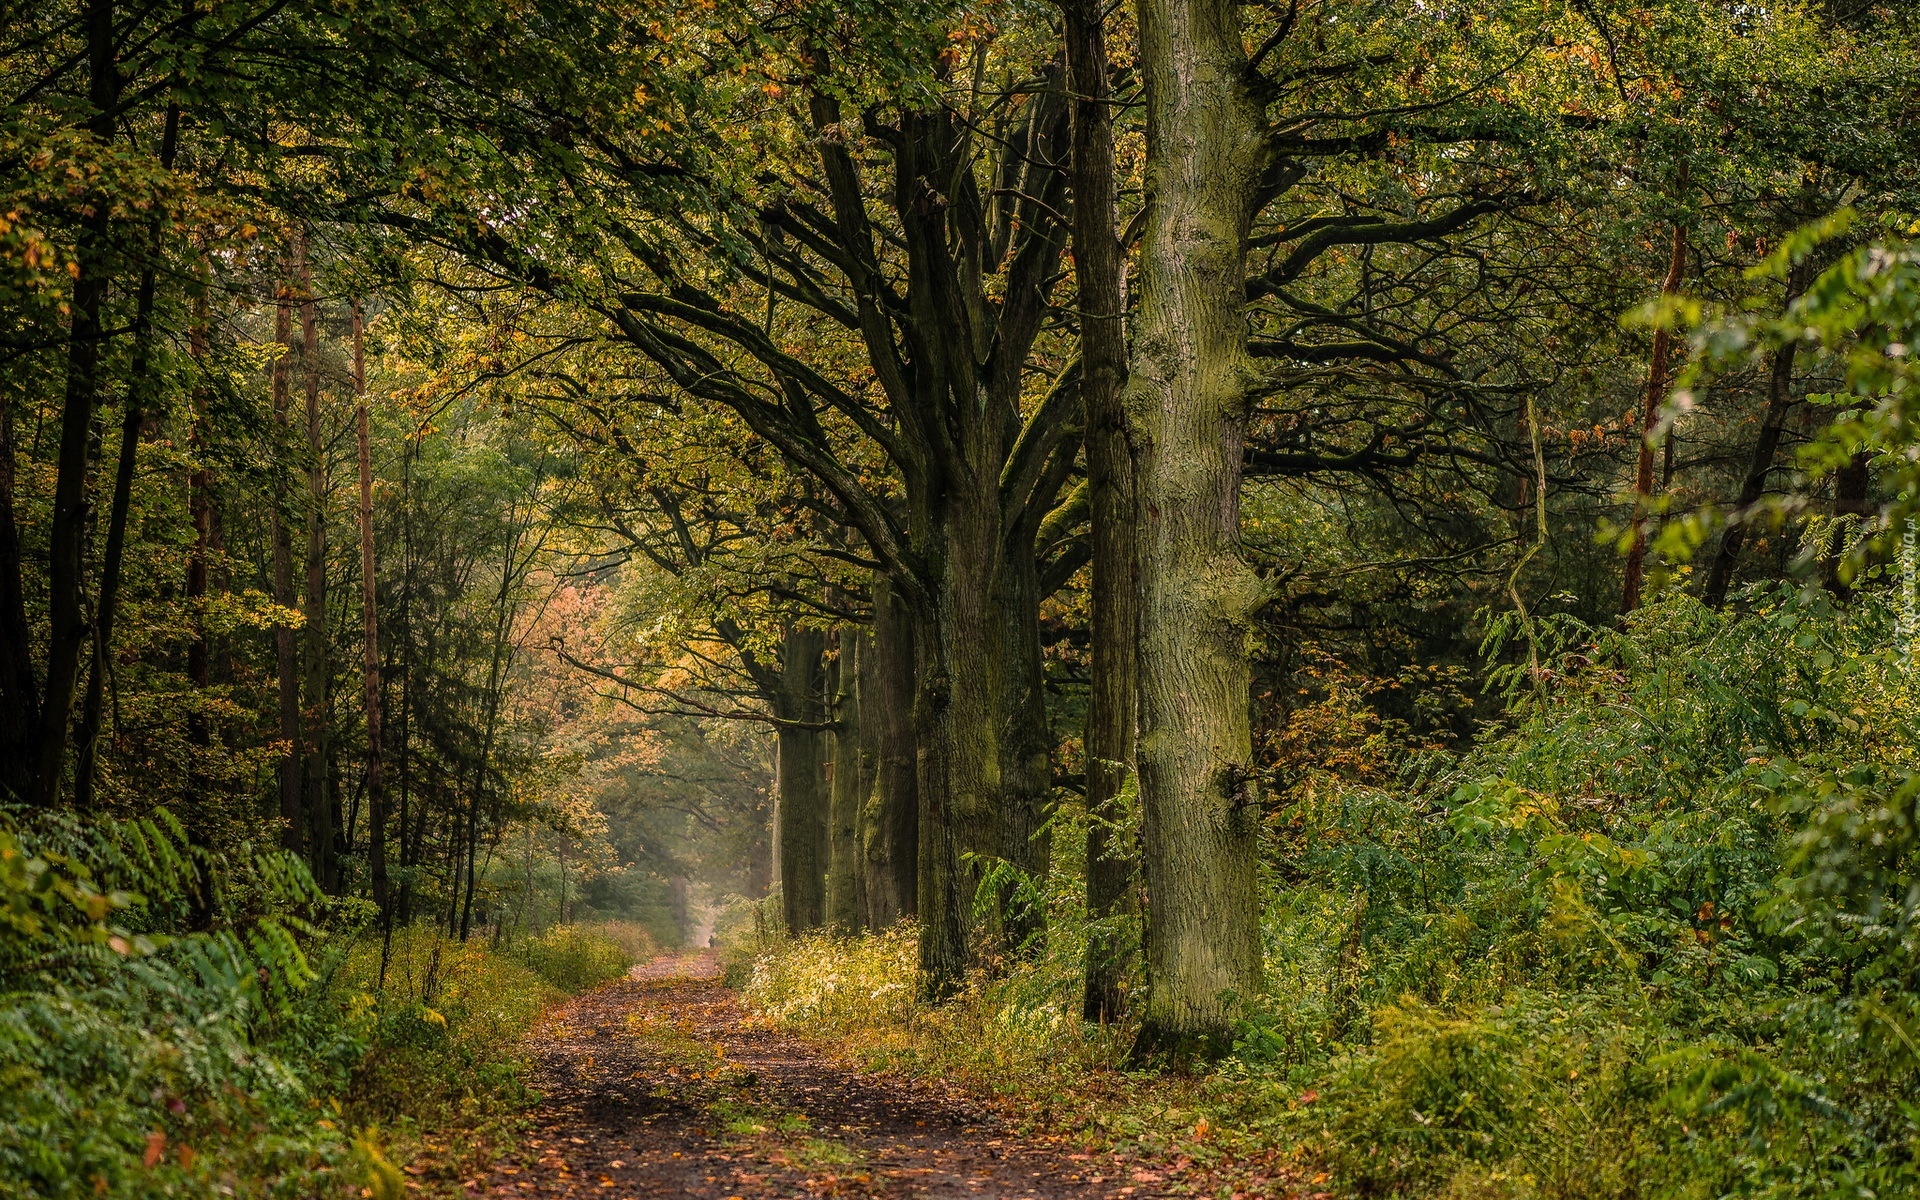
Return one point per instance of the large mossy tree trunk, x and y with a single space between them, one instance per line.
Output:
891 823
800 797
1109 463
318 674
1187 402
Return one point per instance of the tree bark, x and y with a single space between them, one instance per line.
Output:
200 510
317 675
370 635
293 827
846 878
1114 631
1649 421
801 801
1779 400
893 809
1187 407
68 629
19 693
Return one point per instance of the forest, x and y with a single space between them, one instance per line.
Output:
1315 597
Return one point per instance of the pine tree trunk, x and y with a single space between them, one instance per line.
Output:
370 635
1103 368
846 882
1186 403
892 820
317 675
802 792
200 509
1649 421
293 826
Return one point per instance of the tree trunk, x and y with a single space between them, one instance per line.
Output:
1753 485
1103 368
1649 421
370 636
317 675
19 693
68 629
132 420
801 800
293 827
1852 491
958 716
200 509
1187 405
892 821
846 881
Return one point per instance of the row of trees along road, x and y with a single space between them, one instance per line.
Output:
999 409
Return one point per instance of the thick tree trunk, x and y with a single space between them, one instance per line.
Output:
846 879
68 628
319 802
801 819
1649 421
1779 400
958 712
1114 633
293 826
370 635
892 822
1186 402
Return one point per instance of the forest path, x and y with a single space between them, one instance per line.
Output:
659 1085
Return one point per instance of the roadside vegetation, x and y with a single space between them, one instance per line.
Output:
1649 939
266 1058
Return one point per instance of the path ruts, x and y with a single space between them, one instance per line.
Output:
630 1111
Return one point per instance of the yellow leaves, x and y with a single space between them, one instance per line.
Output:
431 1017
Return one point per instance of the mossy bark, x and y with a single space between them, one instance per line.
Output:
1186 403
1114 626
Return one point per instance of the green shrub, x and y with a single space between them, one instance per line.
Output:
576 957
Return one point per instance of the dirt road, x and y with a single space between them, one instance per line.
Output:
659 1086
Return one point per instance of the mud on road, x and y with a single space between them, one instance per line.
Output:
659 1086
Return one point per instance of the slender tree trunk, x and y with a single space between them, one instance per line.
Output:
317 676
802 797
893 809
286 652
133 419
846 879
1187 406
1852 491
19 693
1649 421
1103 372
68 629
370 637
200 509
1765 448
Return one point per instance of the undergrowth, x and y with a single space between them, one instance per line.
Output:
259 1054
1655 937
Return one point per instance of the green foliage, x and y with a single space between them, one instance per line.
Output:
141 1063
